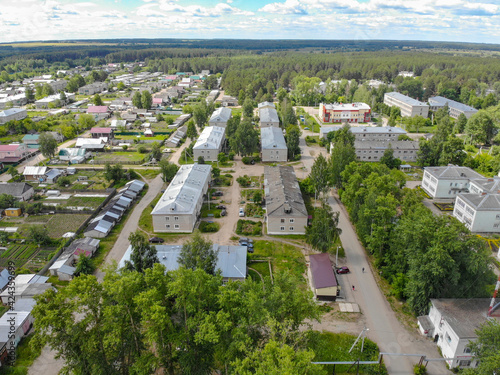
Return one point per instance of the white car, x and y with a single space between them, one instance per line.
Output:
242 212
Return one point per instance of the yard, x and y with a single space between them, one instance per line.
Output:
249 227
254 210
283 256
56 224
122 157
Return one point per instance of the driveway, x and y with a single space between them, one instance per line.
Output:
384 327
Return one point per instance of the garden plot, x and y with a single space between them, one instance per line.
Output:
21 254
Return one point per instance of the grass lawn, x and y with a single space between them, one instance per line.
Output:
249 227
146 220
149 174
62 223
159 137
260 267
90 202
37 113
120 157
283 257
327 345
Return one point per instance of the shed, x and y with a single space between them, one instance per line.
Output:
53 175
13 212
322 277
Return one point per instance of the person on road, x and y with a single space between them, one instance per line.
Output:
353 287
363 269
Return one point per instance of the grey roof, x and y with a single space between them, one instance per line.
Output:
210 138
135 185
66 269
382 145
490 185
482 202
221 114
266 104
16 189
4 278
365 129
53 173
231 260
322 271
272 138
283 196
441 101
464 315
268 115
406 99
100 226
11 111
453 172
183 193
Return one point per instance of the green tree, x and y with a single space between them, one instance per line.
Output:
84 266
293 141
156 152
63 181
7 200
30 95
341 156
200 114
120 86
461 123
480 127
320 175
16 176
257 197
486 348
47 145
137 99
47 90
222 158
245 140
146 99
114 173
232 125
86 121
191 130
247 108
38 234
324 231
97 100
201 160
143 254
168 170
198 253
389 160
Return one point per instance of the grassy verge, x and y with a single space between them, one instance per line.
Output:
25 356
146 220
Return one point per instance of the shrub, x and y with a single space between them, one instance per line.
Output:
249 227
142 149
419 370
206 227
244 181
63 181
231 155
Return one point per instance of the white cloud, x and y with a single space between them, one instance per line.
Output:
288 7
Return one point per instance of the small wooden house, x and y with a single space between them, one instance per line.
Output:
13 212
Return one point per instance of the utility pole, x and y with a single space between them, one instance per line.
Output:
361 334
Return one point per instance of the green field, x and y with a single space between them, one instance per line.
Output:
19 252
25 255
120 157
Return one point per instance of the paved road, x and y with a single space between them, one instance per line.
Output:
384 327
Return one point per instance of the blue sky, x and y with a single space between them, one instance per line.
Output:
449 20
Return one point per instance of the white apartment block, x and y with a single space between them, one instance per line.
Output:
455 109
447 182
179 207
374 150
273 143
452 323
409 107
367 133
210 143
220 117
479 212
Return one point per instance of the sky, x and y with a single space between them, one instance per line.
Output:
438 20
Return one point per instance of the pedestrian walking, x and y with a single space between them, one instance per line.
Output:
353 287
363 269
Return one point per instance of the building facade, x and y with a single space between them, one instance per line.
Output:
367 133
373 150
179 207
220 117
286 212
273 145
479 212
12 114
345 112
409 107
268 117
210 143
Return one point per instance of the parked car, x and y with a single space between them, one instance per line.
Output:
223 213
242 212
250 249
217 194
156 240
221 207
343 269
243 240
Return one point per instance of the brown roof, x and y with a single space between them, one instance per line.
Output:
322 271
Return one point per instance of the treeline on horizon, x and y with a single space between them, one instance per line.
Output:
160 48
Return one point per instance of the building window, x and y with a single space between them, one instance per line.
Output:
467 350
290 228
176 218
447 337
464 363
282 228
498 217
167 218
282 220
167 226
292 221
176 226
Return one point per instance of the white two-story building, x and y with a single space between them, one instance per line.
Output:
447 182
